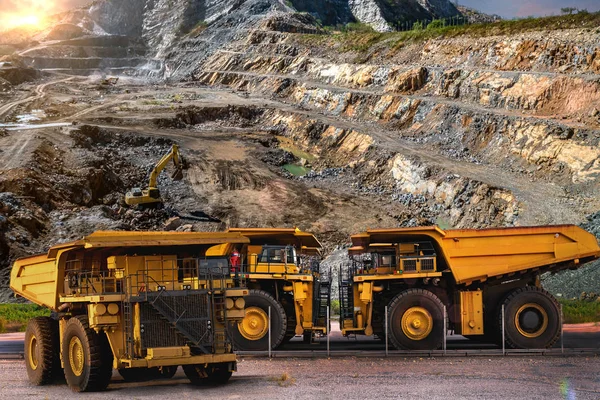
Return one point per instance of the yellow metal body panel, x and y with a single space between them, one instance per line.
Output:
160 362
471 312
480 254
40 278
168 352
366 278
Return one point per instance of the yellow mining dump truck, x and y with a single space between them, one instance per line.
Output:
415 272
281 268
141 302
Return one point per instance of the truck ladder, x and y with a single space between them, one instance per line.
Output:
346 295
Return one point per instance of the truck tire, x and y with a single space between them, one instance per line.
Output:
531 317
207 375
416 320
252 333
42 359
87 357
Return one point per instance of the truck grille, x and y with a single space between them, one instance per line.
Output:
168 319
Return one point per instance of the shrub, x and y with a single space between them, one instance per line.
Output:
436 24
418 26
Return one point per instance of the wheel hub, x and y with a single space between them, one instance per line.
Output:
531 320
33 353
76 357
417 323
255 324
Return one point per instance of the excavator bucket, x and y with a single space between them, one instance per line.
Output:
177 174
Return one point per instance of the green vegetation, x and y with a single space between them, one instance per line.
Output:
417 26
335 307
14 317
436 24
579 311
360 38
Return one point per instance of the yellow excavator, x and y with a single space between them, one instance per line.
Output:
151 196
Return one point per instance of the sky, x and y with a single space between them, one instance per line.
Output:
504 8
526 8
9 6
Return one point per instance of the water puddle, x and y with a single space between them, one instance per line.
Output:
21 127
296 170
34 115
25 122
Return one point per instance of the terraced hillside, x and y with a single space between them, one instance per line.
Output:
284 123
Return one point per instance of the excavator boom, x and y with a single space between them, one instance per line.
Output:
151 195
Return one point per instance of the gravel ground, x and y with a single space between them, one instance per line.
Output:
570 284
355 378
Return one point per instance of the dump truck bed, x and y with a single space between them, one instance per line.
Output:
480 254
40 278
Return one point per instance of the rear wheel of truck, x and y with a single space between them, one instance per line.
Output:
87 357
531 318
416 320
42 358
213 374
252 333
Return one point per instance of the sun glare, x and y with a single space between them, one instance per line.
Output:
29 21
29 14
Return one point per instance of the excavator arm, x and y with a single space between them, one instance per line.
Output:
151 195
162 163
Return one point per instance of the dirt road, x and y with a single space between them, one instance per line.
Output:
354 378
39 93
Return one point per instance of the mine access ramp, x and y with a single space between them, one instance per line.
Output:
140 302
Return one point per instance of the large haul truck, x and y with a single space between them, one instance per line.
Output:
281 268
140 302
474 274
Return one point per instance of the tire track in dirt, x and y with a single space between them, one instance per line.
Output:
39 93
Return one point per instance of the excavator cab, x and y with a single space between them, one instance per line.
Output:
151 195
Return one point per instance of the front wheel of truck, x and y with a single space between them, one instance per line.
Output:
87 357
416 320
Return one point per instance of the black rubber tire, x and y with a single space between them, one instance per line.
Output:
213 374
290 312
413 298
97 357
262 300
219 374
167 372
307 337
517 298
42 359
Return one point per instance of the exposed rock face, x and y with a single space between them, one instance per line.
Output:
380 14
119 17
162 22
369 12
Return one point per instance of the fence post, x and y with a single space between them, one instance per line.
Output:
445 329
503 343
386 332
269 331
562 336
327 329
